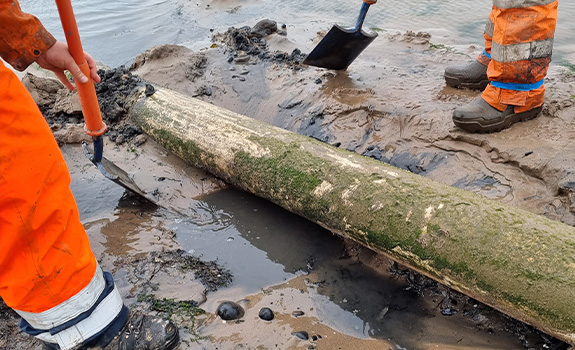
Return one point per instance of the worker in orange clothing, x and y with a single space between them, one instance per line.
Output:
48 273
511 69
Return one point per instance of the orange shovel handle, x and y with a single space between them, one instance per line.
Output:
87 92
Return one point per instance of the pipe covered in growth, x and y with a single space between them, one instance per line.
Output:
518 262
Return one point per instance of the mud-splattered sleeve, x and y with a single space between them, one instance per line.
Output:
22 36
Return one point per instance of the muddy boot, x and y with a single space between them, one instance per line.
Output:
479 116
471 76
141 332
144 332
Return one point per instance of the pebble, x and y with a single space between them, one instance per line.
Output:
229 310
302 335
264 28
242 57
140 140
297 313
266 314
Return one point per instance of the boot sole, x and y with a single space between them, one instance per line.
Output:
174 342
461 83
480 126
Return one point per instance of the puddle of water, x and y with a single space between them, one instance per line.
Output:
260 243
96 196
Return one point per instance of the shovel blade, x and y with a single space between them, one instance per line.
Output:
116 174
339 48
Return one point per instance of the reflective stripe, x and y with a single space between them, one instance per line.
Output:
516 86
102 316
515 4
523 51
489 28
70 308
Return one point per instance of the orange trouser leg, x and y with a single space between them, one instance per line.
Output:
485 56
522 44
45 255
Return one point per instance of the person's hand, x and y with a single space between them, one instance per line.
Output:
58 59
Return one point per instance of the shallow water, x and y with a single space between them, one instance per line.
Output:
116 31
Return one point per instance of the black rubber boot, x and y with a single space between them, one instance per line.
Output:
141 332
144 332
479 116
472 75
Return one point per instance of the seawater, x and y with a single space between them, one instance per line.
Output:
114 32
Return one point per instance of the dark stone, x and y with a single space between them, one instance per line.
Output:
448 312
229 310
264 28
297 313
302 335
149 90
266 314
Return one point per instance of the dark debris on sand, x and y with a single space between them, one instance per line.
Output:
209 273
114 92
451 302
251 41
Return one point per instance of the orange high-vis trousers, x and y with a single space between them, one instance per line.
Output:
45 255
518 48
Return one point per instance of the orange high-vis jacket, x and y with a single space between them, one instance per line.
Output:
45 255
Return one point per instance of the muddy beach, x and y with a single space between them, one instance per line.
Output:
392 105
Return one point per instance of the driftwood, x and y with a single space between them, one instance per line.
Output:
515 261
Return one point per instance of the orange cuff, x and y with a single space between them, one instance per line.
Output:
522 100
22 37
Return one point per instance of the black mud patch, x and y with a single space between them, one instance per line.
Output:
420 163
10 334
249 41
115 95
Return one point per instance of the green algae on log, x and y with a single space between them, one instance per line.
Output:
518 262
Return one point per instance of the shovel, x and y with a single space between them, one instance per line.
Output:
341 46
94 126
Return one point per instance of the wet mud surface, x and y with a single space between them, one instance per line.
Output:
207 243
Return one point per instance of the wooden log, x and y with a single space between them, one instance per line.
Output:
515 261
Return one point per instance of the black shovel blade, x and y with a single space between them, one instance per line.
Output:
339 48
